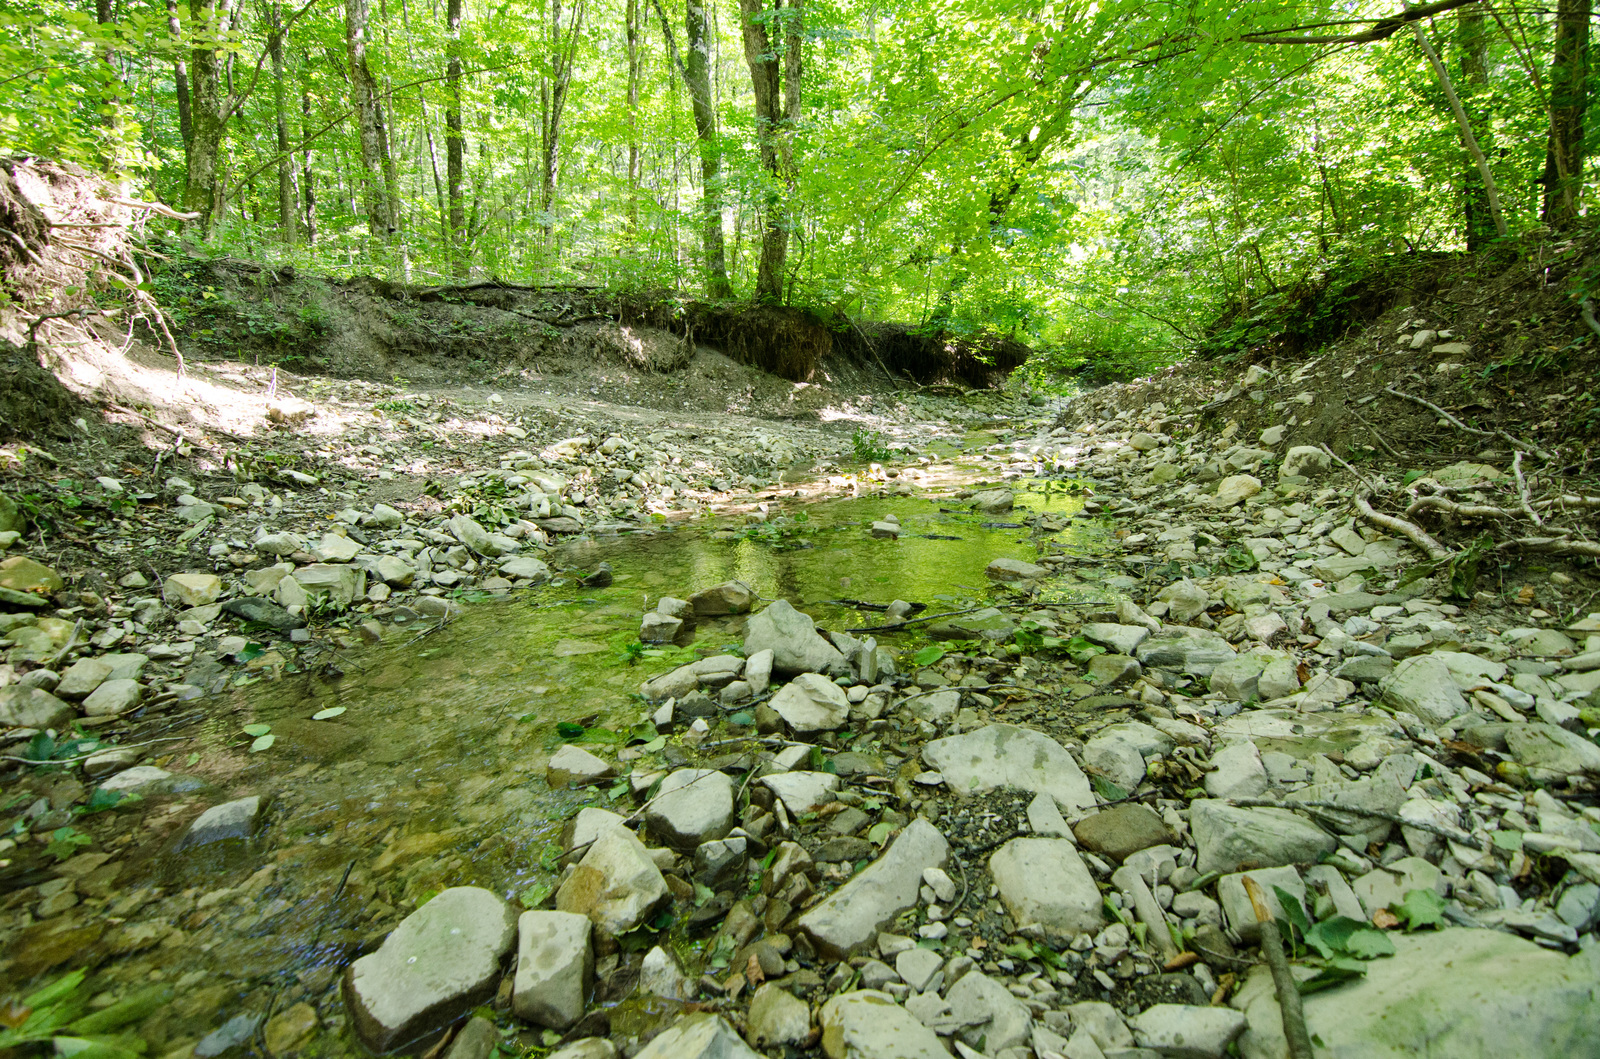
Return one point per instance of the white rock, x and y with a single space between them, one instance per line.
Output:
555 962
1046 886
1186 1031
812 703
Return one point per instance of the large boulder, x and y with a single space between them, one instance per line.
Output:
1465 994
793 639
1422 685
1003 755
867 1024
442 961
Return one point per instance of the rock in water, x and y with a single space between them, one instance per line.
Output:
442 961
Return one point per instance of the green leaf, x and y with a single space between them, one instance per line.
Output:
655 744
1421 908
257 729
64 842
928 655
743 718
1337 971
569 729
879 833
1107 790
600 735
1292 910
1369 943
263 743
1510 841
331 711
192 760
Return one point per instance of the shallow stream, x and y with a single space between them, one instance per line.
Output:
433 775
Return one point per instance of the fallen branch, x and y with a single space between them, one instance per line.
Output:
1553 546
104 748
1346 465
1409 530
1522 490
1450 507
1586 307
1515 442
1294 1015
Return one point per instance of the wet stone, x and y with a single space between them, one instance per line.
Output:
555 962
867 1024
442 961
1122 830
237 819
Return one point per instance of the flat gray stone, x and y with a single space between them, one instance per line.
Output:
730 597
701 1035
1235 899
1465 994
113 697
1187 1031
1552 750
852 915
616 884
555 961
1120 639
867 1024
802 792
1003 755
993 501
988 1014
33 708
1231 839
1422 685
690 807
573 766
990 623
442 961
812 703
1012 570
1046 886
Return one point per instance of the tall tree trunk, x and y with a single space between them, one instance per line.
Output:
634 15
280 89
308 180
771 112
111 99
377 178
455 148
697 77
1472 44
180 80
203 190
553 101
1569 99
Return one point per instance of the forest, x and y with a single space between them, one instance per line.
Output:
1096 178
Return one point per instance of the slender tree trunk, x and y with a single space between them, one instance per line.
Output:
633 17
553 99
697 78
280 89
770 100
111 100
455 149
1464 127
180 80
308 179
377 178
203 191
1569 100
1472 44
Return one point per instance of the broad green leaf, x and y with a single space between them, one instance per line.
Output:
879 833
928 655
1369 943
1292 910
331 711
1421 908
257 729
263 743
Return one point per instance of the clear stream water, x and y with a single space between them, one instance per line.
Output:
434 774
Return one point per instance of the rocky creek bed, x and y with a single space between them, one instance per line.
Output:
344 760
